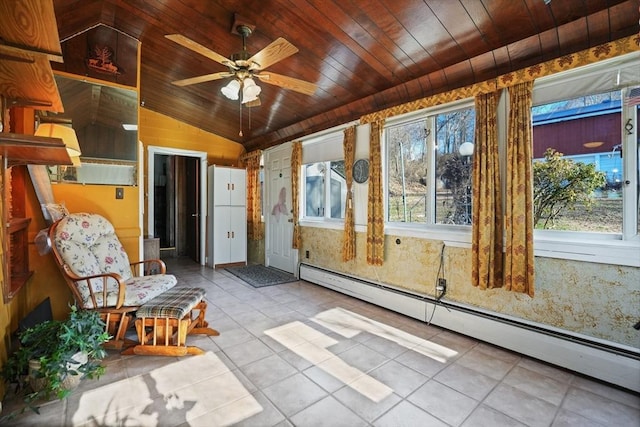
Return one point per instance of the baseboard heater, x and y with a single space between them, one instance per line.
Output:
604 360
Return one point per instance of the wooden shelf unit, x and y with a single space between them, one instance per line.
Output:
27 45
18 150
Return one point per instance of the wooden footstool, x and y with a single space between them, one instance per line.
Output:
164 322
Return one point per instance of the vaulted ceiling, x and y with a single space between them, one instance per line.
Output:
364 55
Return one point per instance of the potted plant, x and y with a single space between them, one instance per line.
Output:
54 355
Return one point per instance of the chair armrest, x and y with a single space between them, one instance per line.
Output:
148 264
86 281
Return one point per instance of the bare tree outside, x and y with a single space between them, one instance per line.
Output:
408 160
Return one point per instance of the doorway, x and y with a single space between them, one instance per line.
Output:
177 202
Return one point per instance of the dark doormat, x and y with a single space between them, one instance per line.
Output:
258 276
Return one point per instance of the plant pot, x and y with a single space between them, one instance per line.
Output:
70 382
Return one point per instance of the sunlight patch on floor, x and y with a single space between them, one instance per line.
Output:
349 324
311 345
182 391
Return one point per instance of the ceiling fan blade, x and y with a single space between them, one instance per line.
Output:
276 51
287 82
198 48
202 79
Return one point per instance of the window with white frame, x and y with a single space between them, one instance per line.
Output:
578 166
323 178
585 149
325 189
428 163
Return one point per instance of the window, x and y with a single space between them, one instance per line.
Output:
590 115
318 195
454 139
407 168
323 177
585 135
428 164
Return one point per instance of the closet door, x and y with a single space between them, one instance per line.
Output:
221 186
238 240
229 216
238 187
222 235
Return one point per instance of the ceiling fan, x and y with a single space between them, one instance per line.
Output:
243 68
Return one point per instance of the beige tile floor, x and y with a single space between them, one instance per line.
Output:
302 355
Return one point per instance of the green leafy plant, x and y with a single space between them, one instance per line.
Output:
560 183
59 350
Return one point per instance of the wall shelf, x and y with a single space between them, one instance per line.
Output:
20 149
28 41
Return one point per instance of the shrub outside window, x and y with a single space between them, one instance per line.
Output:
578 167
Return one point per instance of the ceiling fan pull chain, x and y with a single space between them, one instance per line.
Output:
240 133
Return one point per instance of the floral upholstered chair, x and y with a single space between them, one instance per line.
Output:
97 269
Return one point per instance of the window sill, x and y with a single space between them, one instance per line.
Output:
332 224
602 249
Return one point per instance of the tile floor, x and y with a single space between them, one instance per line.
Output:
299 354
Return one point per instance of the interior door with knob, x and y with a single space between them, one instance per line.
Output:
278 211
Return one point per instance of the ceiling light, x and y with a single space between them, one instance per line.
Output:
231 90
130 126
250 90
66 134
592 144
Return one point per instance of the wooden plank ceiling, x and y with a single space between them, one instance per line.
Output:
363 55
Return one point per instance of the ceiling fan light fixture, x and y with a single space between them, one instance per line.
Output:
250 90
231 90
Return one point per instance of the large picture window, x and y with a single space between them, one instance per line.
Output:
578 169
586 162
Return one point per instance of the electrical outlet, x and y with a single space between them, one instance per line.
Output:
442 285
306 254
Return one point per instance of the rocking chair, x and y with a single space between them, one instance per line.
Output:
97 269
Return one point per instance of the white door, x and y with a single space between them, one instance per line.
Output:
278 215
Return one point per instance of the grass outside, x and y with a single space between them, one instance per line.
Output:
604 216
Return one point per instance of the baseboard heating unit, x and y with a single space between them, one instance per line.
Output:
604 360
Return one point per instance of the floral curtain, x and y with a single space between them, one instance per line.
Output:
518 262
296 164
255 231
487 227
349 235
375 210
